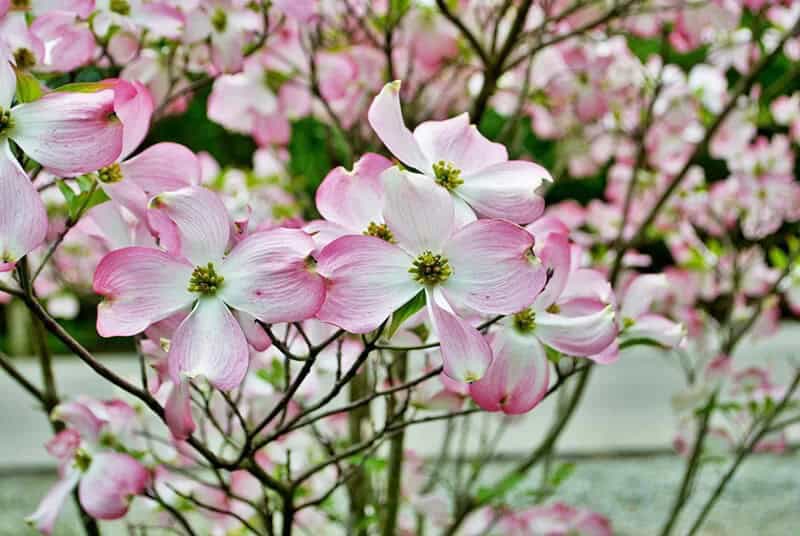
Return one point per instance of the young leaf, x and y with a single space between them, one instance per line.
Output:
28 88
405 312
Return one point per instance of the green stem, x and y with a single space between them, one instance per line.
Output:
744 451
692 466
358 486
547 445
396 445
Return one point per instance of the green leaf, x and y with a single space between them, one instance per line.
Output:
553 355
561 473
85 182
84 87
28 88
405 312
69 196
778 258
488 494
274 375
375 465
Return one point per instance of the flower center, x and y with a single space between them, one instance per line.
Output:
430 269
380 230
120 6
110 174
20 4
6 121
525 321
219 20
24 58
205 280
447 175
83 460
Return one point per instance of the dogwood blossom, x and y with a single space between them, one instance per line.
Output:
268 276
486 266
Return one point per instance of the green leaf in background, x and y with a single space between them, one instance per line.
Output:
274 375
309 158
561 474
489 494
406 311
88 197
778 258
28 87
194 130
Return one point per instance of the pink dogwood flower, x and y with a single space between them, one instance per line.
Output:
91 456
68 133
163 167
476 171
573 314
267 276
350 201
487 266
638 322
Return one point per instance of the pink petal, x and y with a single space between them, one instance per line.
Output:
465 353
68 45
492 269
44 518
556 259
586 291
178 411
253 332
518 377
163 167
641 293
324 232
134 107
459 143
161 19
141 286
304 11
78 416
386 119
128 195
506 190
112 480
607 356
23 218
209 343
368 280
69 133
270 276
419 213
8 80
64 444
582 335
656 328
194 222
354 199
546 225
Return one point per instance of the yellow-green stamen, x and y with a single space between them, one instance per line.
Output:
6 121
205 280
380 230
525 321
447 175
430 269
110 174
219 20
